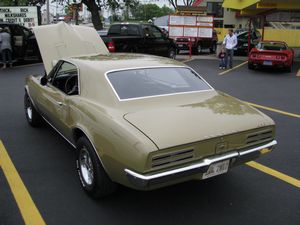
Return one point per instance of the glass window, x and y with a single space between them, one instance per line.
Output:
114 30
146 82
152 32
275 46
66 79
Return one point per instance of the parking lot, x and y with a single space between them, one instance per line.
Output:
45 189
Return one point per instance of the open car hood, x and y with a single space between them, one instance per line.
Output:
212 116
62 40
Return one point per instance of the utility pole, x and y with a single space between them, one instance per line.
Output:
48 11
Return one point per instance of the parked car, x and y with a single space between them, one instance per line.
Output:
274 54
141 38
242 45
107 40
138 120
23 42
198 44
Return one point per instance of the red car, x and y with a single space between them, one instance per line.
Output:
271 54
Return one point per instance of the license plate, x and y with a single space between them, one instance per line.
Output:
180 45
267 63
216 169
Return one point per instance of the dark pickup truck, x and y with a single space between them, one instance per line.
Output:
198 44
141 38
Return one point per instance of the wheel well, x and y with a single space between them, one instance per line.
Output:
77 133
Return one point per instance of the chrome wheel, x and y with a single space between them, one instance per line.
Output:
199 48
86 166
29 109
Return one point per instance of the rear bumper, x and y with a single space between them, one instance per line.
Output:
142 181
275 63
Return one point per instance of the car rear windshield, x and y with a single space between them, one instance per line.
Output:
272 46
147 82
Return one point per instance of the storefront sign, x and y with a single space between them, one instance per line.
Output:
25 15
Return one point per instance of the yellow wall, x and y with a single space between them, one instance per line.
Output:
291 37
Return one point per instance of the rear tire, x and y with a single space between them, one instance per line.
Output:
172 53
289 69
213 48
198 49
32 116
250 66
92 175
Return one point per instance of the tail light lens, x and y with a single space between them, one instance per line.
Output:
253 55
283 57
111 46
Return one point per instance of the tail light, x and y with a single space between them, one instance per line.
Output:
277 57
253 55
111 46
283 57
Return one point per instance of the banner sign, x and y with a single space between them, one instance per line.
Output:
191 26
25 15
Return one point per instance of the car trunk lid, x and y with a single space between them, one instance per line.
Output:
176 125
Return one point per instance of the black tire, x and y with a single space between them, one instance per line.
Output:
98 184
32 116
250 66
198 49
213 48
172 53
289 69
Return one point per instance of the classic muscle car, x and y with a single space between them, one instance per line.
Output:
138 120
271 54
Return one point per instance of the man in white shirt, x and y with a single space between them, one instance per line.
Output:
230 41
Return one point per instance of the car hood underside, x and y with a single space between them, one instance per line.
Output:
216 116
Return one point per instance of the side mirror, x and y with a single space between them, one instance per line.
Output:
43 81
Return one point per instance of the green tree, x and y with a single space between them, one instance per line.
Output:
148 11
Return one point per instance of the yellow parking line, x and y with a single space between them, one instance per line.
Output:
274 173
274 110
187 60
298 73
226 71
29 211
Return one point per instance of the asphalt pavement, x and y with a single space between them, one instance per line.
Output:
245 195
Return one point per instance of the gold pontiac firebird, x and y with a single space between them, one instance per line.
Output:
138 120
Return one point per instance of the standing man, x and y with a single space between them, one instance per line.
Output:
5 47
230 41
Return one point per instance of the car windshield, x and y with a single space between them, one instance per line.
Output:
271 46
146 82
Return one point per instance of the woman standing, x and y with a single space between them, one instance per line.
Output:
5 48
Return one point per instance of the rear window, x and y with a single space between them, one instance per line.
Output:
147 82
274 46
124 30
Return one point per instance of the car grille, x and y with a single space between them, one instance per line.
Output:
259 137
172 157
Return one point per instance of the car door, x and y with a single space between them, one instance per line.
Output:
155 40
62 84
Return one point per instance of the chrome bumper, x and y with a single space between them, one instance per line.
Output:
236 158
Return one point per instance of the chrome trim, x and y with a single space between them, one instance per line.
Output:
272 143
59 132
153 96
203 163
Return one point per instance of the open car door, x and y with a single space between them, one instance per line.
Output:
62 40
